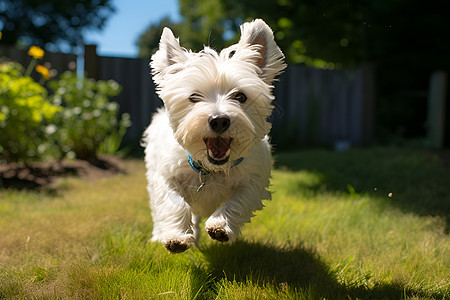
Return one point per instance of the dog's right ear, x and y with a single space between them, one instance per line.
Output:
169 54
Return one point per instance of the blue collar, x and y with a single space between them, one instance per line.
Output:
199 168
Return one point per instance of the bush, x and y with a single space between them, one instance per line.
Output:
89 122
25 116
78 120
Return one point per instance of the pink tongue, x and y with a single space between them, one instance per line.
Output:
218 147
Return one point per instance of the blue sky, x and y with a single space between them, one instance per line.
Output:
131 18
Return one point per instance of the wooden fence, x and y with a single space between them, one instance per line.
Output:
312 106
324 107
138 97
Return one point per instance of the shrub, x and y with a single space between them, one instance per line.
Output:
89 122
25 116
77 120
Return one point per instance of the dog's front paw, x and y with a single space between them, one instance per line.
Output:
178 244
175 246
218 234
219 230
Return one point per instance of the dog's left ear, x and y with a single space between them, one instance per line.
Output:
257 35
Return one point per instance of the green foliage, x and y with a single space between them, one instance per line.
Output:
25 114
326 34
216 24
44 21
204 23
89 122
405 39
148 41
77 120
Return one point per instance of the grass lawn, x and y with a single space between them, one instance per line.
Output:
363 224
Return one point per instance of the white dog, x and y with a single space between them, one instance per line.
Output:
207 153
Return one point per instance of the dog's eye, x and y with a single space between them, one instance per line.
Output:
240 97
231 54
194 98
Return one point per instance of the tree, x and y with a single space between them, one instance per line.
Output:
204 23
148 41
405 39
344 32
40 22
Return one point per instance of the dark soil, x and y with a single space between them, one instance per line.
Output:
46 174
444 155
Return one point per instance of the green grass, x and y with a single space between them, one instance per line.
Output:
331 231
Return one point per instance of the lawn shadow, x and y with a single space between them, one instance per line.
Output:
415 181
293 268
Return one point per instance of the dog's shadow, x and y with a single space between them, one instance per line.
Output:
264 264
293 267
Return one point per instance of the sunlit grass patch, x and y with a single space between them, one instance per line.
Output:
327 233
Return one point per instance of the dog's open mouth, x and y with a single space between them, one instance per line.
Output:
218 150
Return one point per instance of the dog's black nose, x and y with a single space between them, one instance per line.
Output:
219 123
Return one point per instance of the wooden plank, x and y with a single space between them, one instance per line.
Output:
368 100
436 109
91 61
356 110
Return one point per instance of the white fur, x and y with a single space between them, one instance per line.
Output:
230 194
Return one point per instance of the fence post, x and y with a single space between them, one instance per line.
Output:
91 64
368 71
436 109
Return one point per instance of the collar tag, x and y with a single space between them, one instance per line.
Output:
199 168
196 166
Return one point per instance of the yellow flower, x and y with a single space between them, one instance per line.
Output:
43 71
36 52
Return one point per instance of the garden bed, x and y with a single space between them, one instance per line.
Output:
46 174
